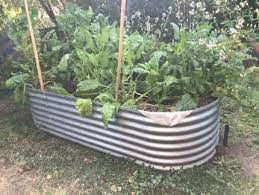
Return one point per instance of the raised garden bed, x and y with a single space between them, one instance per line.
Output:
131 135
168 77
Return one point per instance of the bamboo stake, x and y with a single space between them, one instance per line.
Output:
34 46
120 52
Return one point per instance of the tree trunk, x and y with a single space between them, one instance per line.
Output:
48 9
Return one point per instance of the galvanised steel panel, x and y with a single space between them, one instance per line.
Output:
131 135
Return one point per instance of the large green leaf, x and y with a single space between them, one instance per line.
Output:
104 97
93 59
186 103
103 38
169 80
156 57
134 40
140 70
58 90
88 86
130 104
109 111
81 54
17 80
63 64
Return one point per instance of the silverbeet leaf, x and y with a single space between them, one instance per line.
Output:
130 104
58 90
63 64
17 80
186 103
84 107
109 112
104 97
88 85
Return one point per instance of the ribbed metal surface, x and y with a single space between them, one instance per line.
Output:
131 135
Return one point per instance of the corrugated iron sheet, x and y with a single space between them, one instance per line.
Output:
131 135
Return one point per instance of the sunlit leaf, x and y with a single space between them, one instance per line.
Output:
17 80
109 111
84 107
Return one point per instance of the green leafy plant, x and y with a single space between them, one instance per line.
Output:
109 112
186 103
89 88
84 107
17 83
56 88
200 66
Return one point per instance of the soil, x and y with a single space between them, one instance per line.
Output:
168 108
204 102
14 180
147 107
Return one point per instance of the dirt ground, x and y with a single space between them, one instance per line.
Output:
15 181
248 159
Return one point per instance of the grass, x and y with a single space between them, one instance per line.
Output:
59 164
245 122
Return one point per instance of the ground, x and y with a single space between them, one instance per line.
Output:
36 162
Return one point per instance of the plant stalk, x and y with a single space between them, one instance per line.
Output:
34 46
120 52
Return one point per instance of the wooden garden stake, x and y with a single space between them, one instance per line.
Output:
120 52
34 46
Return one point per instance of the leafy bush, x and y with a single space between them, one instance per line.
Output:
201 65
159 18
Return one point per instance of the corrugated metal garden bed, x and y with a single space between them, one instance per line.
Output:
131 135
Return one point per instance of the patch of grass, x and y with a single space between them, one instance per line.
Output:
61 164
242 122
255 119
255 100
255 97
255 139
218 178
